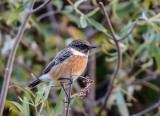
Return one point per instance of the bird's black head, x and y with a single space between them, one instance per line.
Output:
81 45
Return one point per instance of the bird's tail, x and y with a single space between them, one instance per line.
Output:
34 83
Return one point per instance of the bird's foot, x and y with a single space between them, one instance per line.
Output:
70 81
68 100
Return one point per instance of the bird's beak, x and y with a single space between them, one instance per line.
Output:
92 47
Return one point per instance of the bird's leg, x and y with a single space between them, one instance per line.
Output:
69 80
68 98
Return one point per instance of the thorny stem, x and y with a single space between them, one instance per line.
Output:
117 68
11 58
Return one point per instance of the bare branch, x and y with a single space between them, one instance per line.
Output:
144 80
110 37
117 68
129 31
24 4
41 109
156 105
70 2
41 6
46 15
69 93
11 58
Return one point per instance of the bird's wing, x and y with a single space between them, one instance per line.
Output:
60 57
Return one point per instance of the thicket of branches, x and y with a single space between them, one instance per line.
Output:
125 67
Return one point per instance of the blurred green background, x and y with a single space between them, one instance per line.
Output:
51 29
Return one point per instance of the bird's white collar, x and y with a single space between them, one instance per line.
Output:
76 52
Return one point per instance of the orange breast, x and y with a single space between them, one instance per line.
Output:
75 63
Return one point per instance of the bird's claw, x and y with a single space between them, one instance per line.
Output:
70 82
68 100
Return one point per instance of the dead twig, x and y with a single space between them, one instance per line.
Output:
154 106
8 71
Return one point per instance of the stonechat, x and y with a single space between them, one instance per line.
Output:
74 57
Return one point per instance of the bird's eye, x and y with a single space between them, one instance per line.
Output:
82 45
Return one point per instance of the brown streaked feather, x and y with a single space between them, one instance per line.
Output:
60 57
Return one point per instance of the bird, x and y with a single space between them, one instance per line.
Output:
71 60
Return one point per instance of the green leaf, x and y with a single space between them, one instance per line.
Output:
15 13
70 17
140 49
92 12
148 3
47 111
156 53
20 108
27 92
59 105
97 25
26 106
38 25
83 22
111 59
114 6
48 90
153 21
124 9
78 3
59 4
122 104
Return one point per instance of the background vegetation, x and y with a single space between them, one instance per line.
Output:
137 85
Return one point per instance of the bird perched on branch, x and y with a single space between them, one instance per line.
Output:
73 59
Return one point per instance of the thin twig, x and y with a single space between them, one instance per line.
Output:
24 4
156 105
144 80
69 93
47 14
129 31
11 58
64 99
41 109
34 51
122 38
117 68
70 2
41 6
